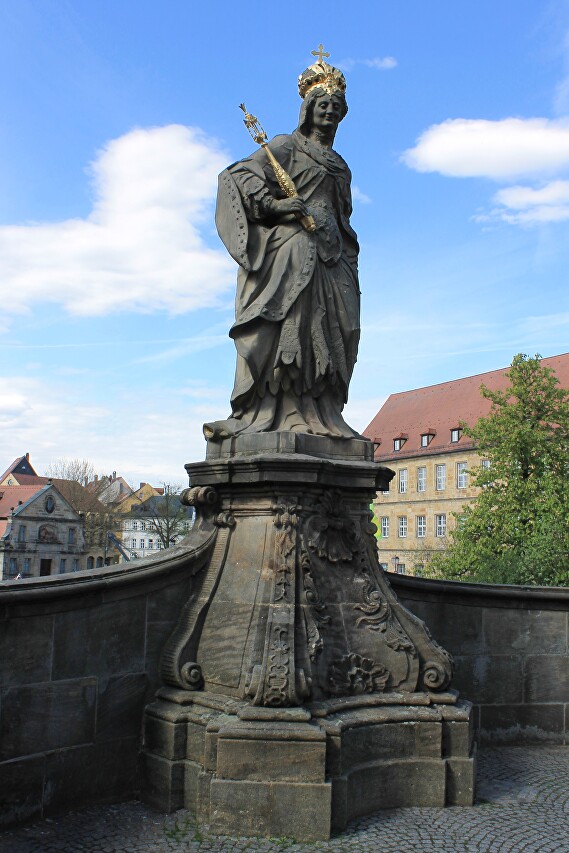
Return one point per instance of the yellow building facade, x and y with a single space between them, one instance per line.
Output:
420 509
419 435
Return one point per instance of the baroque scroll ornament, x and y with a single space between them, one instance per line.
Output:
354 674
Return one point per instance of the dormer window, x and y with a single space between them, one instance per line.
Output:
427 437
399 442
455 435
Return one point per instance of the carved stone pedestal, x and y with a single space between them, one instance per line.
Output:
298 693
305 772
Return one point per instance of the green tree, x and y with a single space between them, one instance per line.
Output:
517 529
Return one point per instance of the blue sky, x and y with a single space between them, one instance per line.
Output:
116 118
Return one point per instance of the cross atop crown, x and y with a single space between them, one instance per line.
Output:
322 75
320 53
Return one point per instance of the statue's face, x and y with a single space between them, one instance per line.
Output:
327 112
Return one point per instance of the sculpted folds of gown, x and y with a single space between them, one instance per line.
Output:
297 307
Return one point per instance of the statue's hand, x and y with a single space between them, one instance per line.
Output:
286 206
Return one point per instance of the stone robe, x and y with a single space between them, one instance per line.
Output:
297 308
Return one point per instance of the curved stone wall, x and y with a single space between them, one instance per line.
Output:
79 660
510 646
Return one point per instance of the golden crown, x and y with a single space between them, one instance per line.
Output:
321 75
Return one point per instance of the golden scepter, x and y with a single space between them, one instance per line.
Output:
284 179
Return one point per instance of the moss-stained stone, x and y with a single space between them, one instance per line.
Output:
522 631
107 640
44 717
26 650
519 724
104 772
489 679
21 790
546 678
120 706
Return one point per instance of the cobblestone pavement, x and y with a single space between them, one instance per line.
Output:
522 805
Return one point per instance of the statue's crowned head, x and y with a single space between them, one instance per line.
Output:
322 76
320 79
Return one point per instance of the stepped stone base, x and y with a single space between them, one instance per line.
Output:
305 772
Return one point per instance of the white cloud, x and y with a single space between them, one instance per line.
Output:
359 412
500 150
381 63
49 419
505 149
385 63
557 192
523 205
360 196
141 249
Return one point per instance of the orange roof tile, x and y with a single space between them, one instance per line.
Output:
439 409
12 496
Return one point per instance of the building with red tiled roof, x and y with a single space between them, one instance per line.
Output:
418 435
41 533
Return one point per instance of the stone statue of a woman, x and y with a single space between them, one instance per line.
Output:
297 308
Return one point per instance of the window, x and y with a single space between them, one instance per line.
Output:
461 475
440 525
419 570
27 564
62 565
398 443
485 465
384 526
403 481
421 526
135 525
441 477
150 544
421 479
142 544
142 525
402 526
13 566
22 533
455 435
71 536
400 568
383 566
76 565
159 544
426 438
